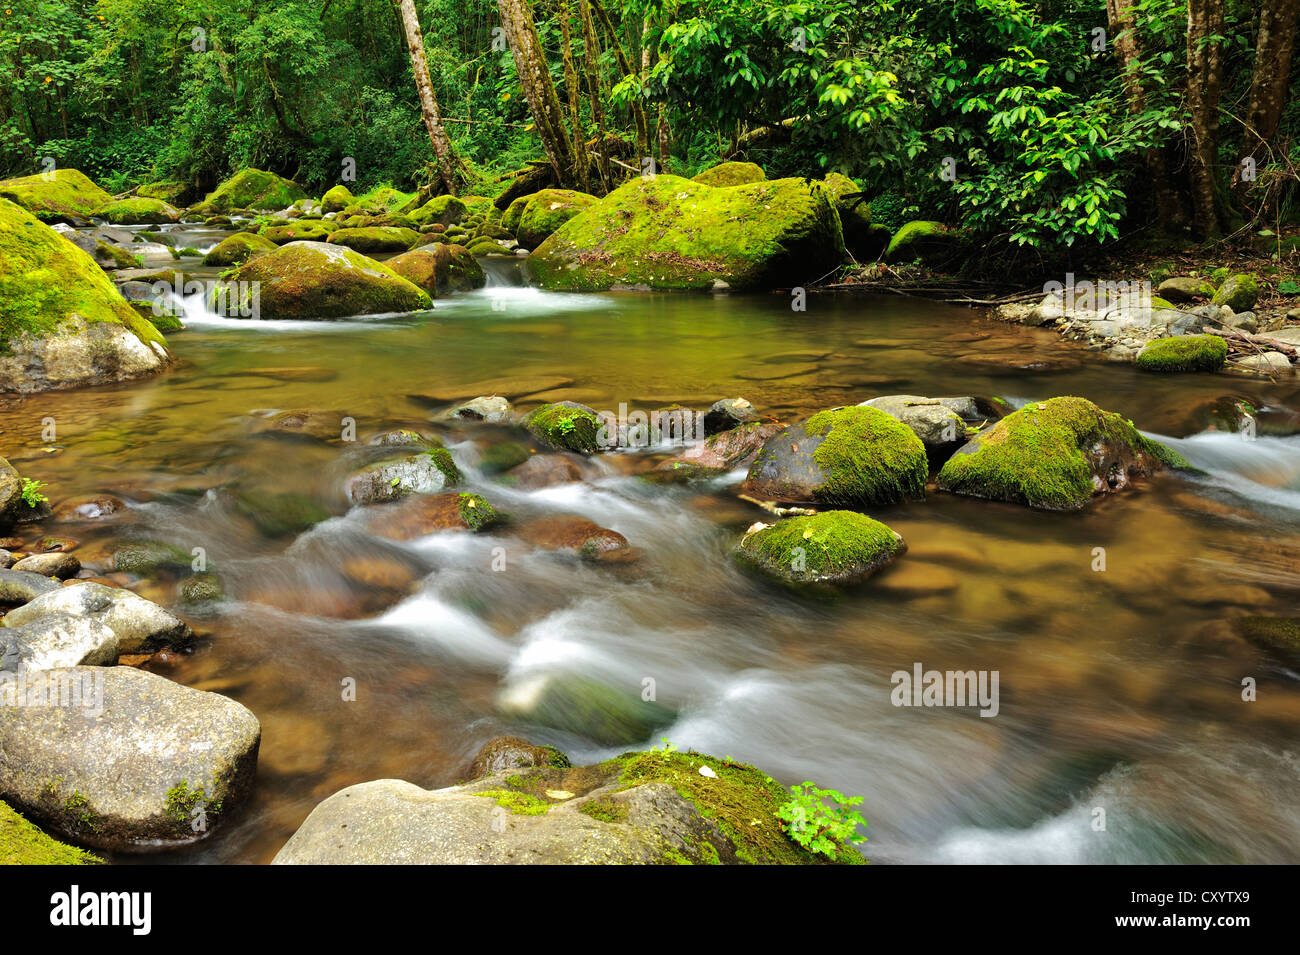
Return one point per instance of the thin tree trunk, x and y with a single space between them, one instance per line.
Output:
448 164
1204 86
539 90
591 57
581 157
1274 47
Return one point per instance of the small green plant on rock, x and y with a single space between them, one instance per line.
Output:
32 495
817 827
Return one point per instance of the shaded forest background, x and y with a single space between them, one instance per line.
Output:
1044 124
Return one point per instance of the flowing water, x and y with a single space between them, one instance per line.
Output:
1120 690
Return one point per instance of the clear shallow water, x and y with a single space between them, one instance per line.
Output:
1119 690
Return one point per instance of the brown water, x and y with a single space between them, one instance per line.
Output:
1120 689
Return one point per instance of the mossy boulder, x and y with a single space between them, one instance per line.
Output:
731 174
392 478
375 239
565 425
439 269
238 248
49 196
1239 292
1055 455
513 213
23 843
670 232
932 243
110 256
62 321
252 189
1183 353
854 456
315 280
304 230
337 199
546 211
138 210
584 706
172 192
1182 288
862 240
837 547
640 808
444 210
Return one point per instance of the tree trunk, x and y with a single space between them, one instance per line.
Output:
574 93
539 90
625 67
1204 85
1128 52
591 58
1274 47
448 164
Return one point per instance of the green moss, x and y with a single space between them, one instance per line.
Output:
670 232
238 248
832 545
565 425
443 461
45 281
252 189
519 804
728 174
739 799
133 211
1183 353
1239 292
121 258
22 843
931 242
62 192
870 457
476 513
444 210
546 211
1039 455
503 457
301 230
143 557
375 238
337 199
514 212
171 191
182 800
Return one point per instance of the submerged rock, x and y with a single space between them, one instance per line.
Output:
639 808
837 547
62 322
315 280
544 470
577 535
423 514
845 456
1056 455
586 707
142 764
669 232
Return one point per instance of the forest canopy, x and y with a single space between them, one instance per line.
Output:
1061 123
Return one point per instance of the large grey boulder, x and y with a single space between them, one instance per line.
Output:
141 625
57 640
134 762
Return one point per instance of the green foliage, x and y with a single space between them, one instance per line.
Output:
811 823
31 493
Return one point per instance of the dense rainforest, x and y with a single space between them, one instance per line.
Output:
1053 124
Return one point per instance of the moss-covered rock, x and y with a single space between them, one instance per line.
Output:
238 248
1181 288
337 198
565 425
439 269
251 189
23 843
546 211
854 456
611 715
303 230
836 547
315 280
1239 292
394 478
864 242
933 243
443 210
375 239
62 322
135 211
669 232
513 213
731 174
115 257
63 192
1055 455
1183 353
172 192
